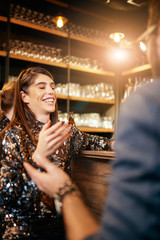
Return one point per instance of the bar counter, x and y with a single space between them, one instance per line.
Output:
90 171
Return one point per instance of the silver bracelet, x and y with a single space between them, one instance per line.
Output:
58 197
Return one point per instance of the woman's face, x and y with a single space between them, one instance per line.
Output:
41 97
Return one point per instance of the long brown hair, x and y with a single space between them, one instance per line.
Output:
22 113
6 97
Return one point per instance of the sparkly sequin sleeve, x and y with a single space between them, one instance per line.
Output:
17 190
3 123
83 141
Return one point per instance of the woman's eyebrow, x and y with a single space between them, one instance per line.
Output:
44 83
39 83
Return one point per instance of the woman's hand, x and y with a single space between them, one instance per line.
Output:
51 138
50 181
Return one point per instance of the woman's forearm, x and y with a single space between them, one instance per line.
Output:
79 222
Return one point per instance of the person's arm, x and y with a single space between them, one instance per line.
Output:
79 222
83 141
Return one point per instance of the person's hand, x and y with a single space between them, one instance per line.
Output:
51 138
50 181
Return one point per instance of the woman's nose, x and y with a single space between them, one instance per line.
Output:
50 90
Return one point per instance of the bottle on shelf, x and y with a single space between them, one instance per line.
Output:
71 119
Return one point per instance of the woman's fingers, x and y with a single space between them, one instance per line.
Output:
56 143
58 138
51 138
46 125
31 170
49 181
38 177
61 132
57 127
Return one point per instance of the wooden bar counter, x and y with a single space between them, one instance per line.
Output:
90 171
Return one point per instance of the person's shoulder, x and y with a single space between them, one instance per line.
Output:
14 130
150 90
145 95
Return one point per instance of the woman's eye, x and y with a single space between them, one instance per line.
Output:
42 87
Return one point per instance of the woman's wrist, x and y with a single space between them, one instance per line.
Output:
36 155
68 188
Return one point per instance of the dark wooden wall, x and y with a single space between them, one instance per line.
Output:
90 171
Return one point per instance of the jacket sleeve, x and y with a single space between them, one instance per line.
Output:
83 141
17 189
132 209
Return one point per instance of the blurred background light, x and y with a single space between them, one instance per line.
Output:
143 46
119 54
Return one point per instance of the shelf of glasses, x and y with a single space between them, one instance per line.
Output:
51 31
94 129
90 70
85 99
137 69
57 64
37 60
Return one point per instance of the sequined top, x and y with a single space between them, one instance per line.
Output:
29 212
3 123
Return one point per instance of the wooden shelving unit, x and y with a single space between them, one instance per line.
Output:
84 99
3 53
93 129
51 31
137 70
57 64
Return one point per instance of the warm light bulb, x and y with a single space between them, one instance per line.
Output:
60 22
117 36
142 46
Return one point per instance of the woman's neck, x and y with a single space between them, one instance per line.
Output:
43 118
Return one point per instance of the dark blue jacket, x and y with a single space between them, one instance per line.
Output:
132 209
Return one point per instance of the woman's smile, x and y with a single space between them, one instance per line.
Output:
49 100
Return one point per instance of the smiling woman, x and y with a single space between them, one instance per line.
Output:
33 131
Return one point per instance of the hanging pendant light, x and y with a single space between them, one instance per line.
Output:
117 36
60 20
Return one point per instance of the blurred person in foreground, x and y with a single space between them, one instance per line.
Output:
132 209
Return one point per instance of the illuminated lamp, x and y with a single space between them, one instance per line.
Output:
117 36
60 20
